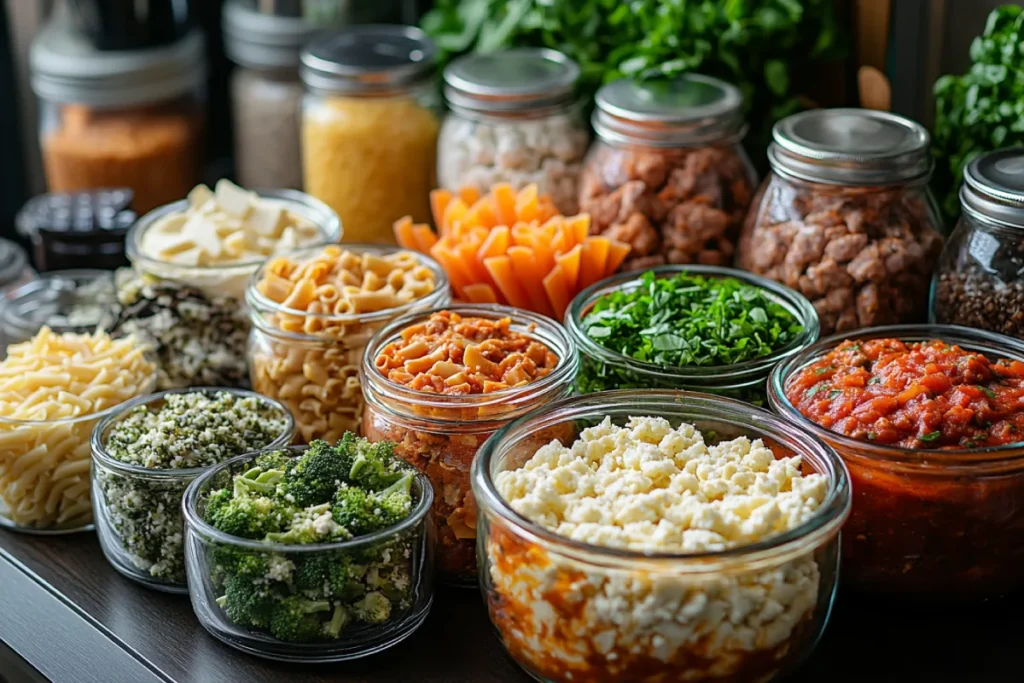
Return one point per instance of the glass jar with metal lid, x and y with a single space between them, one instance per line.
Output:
979 282
369 132
667 174
129 119
514 118
845 217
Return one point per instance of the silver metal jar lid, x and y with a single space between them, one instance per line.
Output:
516 80
685 111
12 262
373 59
993 187
66 68
861 147
263 41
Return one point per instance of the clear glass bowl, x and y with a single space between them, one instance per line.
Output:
569 611
64 300
440 434
138 509
207 550
316 374
936 525
602 368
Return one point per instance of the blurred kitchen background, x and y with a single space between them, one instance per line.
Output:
63 63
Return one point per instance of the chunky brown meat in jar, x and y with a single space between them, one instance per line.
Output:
863 256
670 205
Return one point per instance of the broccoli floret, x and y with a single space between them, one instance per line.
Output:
374 465
241 562
313 478
363 513
273 460
257 480
217 500
326 576
295 619
247 601
249 516
312 525
374 608
339 620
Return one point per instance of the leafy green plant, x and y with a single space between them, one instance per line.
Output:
983 109
759 45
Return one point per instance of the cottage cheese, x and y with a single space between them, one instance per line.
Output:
649 487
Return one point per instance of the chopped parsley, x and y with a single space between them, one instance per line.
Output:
835 392
931 436
988 392
875 380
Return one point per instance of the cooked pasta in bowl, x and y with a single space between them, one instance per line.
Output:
54 388
313 312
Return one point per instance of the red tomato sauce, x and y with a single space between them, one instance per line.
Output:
929 395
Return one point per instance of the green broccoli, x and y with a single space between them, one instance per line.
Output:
374 466
327 576
247 601
312 525
339 620
249 516
312 478
363 513
295 619
273 460
374 608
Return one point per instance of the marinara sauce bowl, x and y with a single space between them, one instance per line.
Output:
927 525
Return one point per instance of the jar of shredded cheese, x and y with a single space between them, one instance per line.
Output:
130 119
369 129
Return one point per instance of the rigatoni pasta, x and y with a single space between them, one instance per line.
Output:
313 313
53 389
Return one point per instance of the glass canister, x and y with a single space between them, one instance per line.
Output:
266 94
194 316
369 134
846 218
980 278
667 174
63 300
441 433
14 267
119 119
513 119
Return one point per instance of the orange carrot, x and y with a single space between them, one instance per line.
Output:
580 226
500 268
438 202
404 234
505 204
479 293
569 262
469 195
457 275
617 253
527 206
497 242
453 213
557 290
595 254
524 266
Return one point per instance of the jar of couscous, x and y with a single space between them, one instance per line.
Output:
369 133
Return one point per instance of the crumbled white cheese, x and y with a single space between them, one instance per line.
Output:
649 487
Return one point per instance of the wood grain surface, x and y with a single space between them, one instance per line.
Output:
865 642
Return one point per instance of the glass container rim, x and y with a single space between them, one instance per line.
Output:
327 223
948 460
572 106
12 267
149 384
195 522
99 447
376 385
797 304
826 520
260 304
40 283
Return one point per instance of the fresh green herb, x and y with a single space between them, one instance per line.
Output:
763 47
983 109
814 390
931 436
688 320
875 380
988 392
823 370
835 392
872 436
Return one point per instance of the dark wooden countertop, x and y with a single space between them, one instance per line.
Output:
73 619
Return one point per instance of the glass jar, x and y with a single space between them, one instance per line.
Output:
369 135
513 119
315 373
846 218
441 433
942 526
667 174
138 509
569 611
979 282
602 368
14 268
212 558
119 119
63 300
266 94
195 315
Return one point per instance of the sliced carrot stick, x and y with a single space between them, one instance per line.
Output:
425 237
500 268
498 241
505 203
482 213
580 225
457 276
469 195
543 255
453 214
438 202
522 235
480 293
595 253
557 290
527 205
404 234
524 266
569 262
617 253
466 251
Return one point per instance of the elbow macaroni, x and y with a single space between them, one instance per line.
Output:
50 387
314 368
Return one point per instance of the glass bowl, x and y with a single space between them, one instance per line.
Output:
603 369
569 611
138 509
404 549
926 525
64 300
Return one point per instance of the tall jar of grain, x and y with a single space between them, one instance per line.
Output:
119 119
369 129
